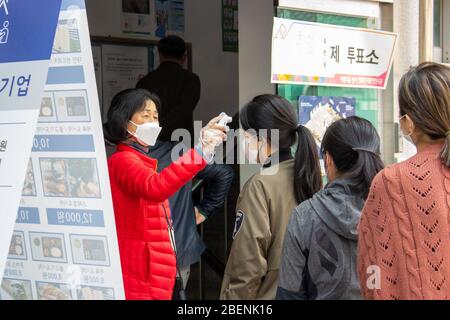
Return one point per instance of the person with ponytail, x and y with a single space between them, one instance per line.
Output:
268 198
404 245
320 246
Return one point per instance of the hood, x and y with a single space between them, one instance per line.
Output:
339 209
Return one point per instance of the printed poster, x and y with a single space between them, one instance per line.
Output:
230 25
169 17
64 245
136 17
318 113
122 67
25 47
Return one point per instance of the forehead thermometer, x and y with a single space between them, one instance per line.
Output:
225 119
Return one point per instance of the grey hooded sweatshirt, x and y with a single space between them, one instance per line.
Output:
320 247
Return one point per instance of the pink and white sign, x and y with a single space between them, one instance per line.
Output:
327 55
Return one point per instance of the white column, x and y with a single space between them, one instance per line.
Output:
406 24
255 47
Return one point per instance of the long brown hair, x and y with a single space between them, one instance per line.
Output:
424 95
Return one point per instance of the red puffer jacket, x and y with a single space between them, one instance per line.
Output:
140 203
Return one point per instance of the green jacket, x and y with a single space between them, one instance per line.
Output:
262 215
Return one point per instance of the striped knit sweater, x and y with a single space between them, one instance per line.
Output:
404 231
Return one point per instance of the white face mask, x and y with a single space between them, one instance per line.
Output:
146 133
251 154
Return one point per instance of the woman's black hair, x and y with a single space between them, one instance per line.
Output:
123 106
354 145
271 112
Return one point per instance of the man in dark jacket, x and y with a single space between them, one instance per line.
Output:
185 215
177 88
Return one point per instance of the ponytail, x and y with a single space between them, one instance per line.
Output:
367 166
445 153
308 177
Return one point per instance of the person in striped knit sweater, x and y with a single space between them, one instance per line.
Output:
404 232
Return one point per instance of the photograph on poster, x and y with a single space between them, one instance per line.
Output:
71 178
136 18
72 106
91 250
17 248
318 113
47 112
95 293
136 6
29 185
14 289
67 37
53 291
48 247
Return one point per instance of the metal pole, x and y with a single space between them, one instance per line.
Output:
201 265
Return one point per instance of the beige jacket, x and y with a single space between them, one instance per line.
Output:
262 214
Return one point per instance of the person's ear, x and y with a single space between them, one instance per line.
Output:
329 161
408 126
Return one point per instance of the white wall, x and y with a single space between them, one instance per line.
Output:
217 70
255 35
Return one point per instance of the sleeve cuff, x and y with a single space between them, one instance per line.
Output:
202 212
208 158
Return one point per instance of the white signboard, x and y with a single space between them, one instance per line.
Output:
25 47
64 244
123 66
327 55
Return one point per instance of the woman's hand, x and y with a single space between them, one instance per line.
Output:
213 128
199 218
211 136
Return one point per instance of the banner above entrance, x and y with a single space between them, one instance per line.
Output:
327 55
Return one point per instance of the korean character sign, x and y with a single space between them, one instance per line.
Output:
328 55
26 40
66 216
23 82
15 86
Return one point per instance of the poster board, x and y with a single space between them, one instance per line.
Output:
64 245
25 48
311 53
120 63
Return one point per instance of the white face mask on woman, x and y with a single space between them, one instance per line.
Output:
146 133
251 154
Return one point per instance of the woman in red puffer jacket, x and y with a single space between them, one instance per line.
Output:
140 194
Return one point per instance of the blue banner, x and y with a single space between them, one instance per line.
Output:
63 143
27 29
73 217
28 216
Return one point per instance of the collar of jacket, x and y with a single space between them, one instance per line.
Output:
170 64
122 147
278 157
